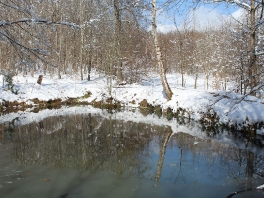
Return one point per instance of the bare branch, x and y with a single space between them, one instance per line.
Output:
38 21
237 2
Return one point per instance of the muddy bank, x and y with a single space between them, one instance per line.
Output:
36 104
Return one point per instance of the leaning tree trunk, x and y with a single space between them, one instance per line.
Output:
162 69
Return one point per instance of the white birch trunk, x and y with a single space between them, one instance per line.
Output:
162 70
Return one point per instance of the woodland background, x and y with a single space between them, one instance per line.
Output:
113 37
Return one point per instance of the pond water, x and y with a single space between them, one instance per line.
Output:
124 154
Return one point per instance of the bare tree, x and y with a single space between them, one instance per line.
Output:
24 30
254 8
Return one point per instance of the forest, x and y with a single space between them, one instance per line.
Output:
113 37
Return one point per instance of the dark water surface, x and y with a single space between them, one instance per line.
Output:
89 155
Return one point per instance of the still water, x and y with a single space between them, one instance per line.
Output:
79 155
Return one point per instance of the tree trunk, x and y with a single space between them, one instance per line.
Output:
182 81
89 65
82 38
195 82
60 52
182 63
75 69
207 81
66 57
90 52
252 60
162 69
117 42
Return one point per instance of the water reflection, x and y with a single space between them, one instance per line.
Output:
127 149
86 143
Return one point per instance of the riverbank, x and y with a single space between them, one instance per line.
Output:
211 107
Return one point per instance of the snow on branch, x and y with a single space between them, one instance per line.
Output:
13 6
259 53
24 49
37 21
237 2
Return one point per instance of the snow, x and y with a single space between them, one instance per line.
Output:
260 187
194 103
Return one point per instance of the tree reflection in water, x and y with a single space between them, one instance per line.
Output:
130 149
86 142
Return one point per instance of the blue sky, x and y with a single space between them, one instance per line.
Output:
204 14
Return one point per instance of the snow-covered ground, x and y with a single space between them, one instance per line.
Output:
194 103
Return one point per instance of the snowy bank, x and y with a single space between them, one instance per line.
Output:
210 107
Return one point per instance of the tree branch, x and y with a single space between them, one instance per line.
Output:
237 2
38 21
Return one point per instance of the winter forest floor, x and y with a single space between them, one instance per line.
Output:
211 107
